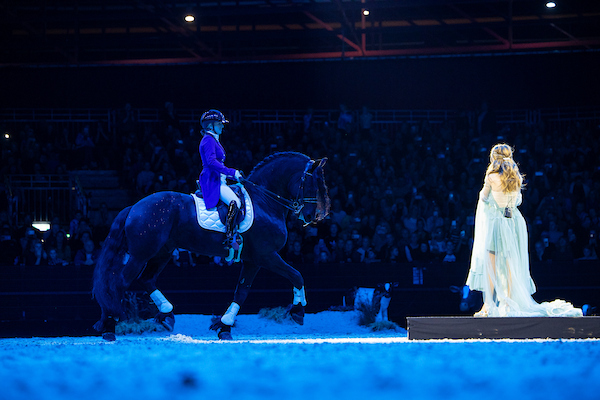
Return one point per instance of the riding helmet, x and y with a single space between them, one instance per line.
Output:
212 116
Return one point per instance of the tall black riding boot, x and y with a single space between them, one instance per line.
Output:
232 213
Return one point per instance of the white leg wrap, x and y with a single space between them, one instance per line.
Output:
161 302
299 296
229 317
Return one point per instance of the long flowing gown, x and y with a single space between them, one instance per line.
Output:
500 260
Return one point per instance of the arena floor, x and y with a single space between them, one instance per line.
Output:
330 357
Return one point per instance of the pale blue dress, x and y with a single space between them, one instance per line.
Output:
506 285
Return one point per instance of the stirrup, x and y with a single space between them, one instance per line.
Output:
235 249
232 242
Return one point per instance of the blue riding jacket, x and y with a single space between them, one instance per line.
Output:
213 159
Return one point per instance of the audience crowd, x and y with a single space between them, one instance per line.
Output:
399 193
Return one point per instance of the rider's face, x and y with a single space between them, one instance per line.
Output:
218 127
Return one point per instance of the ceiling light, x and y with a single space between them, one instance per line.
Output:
189 18
550 4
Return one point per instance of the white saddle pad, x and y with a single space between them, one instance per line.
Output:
209 219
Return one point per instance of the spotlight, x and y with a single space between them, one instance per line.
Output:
6 135
189 18
550 4
43 226
365 12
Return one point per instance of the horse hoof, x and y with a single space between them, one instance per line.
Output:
169 324
108 326
225 335
297 313
166 319
223 331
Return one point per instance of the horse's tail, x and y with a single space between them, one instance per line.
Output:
108 276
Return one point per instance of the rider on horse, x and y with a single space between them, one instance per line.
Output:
213 178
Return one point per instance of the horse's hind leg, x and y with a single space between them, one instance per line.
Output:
224 324
148 278
108 322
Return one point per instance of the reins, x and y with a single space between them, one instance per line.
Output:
296 205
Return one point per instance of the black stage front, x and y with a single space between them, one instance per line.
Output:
420 328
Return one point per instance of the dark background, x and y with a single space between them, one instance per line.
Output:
505 81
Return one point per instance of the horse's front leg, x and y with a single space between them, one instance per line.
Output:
224 324
275 263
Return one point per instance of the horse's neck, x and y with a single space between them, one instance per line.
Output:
279 180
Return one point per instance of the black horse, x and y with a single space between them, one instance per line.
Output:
143 237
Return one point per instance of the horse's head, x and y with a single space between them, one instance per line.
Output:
315 197
294 181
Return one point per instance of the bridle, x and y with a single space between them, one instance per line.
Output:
299 202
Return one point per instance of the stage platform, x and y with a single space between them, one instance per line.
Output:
422 328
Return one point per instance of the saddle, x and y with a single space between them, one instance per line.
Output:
213 219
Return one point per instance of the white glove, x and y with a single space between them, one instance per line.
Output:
238 175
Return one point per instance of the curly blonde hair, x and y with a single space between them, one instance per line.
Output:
501 162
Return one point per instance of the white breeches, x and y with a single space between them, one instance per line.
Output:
226 194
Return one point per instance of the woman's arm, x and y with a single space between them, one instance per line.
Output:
485 192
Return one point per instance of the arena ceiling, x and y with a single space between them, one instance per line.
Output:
108 32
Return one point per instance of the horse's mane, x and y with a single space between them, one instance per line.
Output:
276 156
